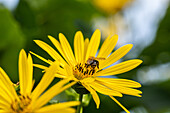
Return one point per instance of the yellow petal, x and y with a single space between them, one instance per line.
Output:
88 80
115 56
45 81
53 91
66 110
120 82
93 44
59 48
121 89
108 46
33 82
119 104
23 71
6 95
86 43
50 51
56 44
41 58
79 46
67 49
69 71
93 93
40 66
60 76
29 77
120 68
4 104
104 90
7 90
59 108
4 110
63 71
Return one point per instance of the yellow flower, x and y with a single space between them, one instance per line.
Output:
87 70
29 101
111 6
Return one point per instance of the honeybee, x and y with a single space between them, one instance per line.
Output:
93 62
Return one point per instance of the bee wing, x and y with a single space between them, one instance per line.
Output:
96 58
100 58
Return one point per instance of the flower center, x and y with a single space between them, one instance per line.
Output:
21 105
87 69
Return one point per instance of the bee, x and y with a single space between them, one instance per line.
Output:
93 62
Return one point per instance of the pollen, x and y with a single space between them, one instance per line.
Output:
82 71
21 105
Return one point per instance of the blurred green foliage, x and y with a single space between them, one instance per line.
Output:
52 17
156 97
33 19
159 52
11 41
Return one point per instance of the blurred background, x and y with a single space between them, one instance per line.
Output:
144 23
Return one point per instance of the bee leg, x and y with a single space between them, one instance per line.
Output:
98 65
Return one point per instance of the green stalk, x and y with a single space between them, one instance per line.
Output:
80 107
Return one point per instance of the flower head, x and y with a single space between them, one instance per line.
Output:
111 6
29 101
87 70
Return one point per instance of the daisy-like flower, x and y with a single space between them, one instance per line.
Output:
111 6
87 70
29 101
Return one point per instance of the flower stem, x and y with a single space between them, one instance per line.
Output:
80 107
